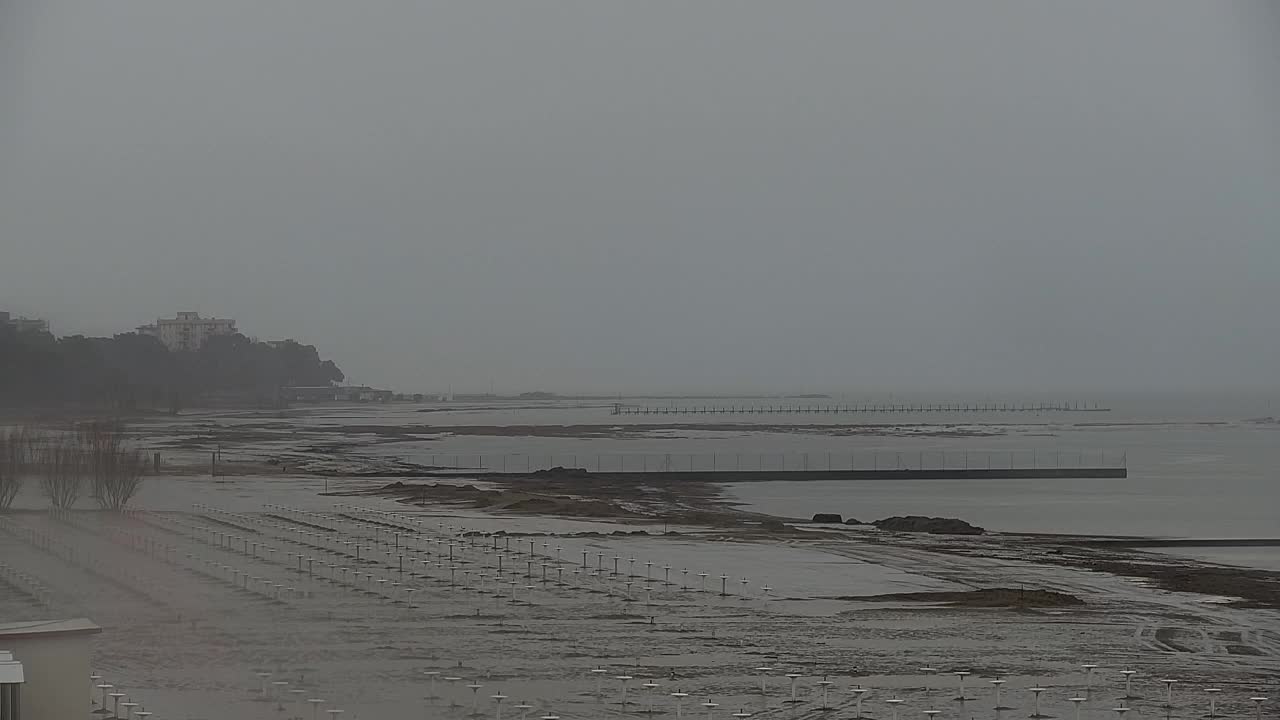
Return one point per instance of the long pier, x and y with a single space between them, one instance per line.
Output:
745 476
859 408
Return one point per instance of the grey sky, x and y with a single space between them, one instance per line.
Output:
661 195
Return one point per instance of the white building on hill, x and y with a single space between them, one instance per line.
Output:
22 324
188 331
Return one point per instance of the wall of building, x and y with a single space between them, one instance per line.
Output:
57 675
22 324
188 331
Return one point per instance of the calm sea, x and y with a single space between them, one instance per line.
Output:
1200 466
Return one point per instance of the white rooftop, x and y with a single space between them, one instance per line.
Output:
47 627
10 669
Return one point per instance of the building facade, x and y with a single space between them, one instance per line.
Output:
54 657
335 393
188 331
11 680
22 324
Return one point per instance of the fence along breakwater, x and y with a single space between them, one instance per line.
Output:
858 408
748 467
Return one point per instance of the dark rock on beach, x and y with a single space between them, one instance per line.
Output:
933 525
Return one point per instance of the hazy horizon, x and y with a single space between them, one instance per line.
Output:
662 197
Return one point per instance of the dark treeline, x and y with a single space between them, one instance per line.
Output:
133 371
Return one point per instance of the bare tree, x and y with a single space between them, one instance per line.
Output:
102 440
62 471
114 467
15 461
122 480
9 482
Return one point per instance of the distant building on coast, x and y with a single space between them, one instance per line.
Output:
187 331
22 324
335 393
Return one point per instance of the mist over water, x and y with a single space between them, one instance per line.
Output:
661 196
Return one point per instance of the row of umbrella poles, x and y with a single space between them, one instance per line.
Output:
649 697
232 544
26 584
343 544
352 566
463 543
121 577
1085 692
461 569
269 584
328 568
460 545
107 701
468 559
285 694
523 707
478 556
321 562
131 539
384 527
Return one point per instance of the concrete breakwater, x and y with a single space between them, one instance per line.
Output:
741 476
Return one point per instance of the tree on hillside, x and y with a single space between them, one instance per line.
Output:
29 365
144 370
130 370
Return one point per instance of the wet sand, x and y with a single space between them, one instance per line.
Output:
183 639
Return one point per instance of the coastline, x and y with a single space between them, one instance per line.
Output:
622 574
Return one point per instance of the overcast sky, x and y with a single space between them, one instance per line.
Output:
658 195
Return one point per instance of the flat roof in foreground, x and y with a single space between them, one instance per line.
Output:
35 628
